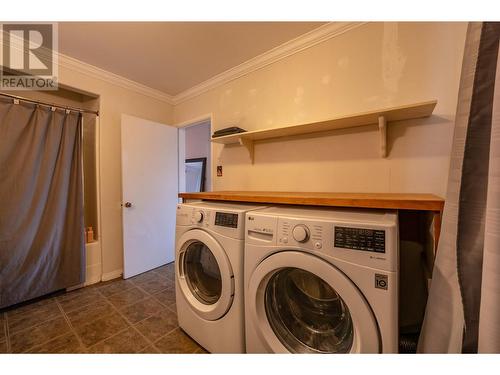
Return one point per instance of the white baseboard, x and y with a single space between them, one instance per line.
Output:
92 280
111 275
93 259
93 274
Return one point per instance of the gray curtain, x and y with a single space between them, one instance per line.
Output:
42 246
463 309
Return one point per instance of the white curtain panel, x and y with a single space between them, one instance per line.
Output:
489 318
463 309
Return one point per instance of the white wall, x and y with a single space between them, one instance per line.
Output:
373 66
198 146
114 100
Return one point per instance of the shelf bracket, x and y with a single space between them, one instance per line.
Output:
248 144
382 128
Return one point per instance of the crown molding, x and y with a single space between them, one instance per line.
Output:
115 79
310 39
84 68
316 36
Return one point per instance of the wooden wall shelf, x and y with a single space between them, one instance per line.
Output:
381 117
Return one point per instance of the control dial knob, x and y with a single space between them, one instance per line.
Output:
300 233
198 216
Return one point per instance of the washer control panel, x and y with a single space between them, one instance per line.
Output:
363 237
309 234
300 233
317 235
360 239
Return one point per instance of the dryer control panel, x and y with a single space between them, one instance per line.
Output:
226 219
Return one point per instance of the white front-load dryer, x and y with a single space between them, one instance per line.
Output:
209 274
321 281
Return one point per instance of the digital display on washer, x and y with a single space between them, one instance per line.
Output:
225 219
360 239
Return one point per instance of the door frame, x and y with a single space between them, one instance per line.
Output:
183 125
100 276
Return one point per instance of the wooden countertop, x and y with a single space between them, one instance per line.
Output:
424 202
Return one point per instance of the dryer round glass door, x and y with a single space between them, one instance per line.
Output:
204 274
307 314
300 303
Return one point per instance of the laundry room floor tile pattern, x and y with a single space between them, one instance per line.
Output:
137 315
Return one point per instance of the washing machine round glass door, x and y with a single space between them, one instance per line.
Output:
302 304
204 274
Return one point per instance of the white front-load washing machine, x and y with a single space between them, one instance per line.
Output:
321 281
209 274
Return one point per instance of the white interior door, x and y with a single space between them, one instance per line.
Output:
149 193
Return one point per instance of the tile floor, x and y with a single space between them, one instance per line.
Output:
137 315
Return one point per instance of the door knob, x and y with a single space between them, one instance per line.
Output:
128 204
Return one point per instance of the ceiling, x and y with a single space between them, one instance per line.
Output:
173 56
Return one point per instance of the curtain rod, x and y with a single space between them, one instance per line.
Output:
49 104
